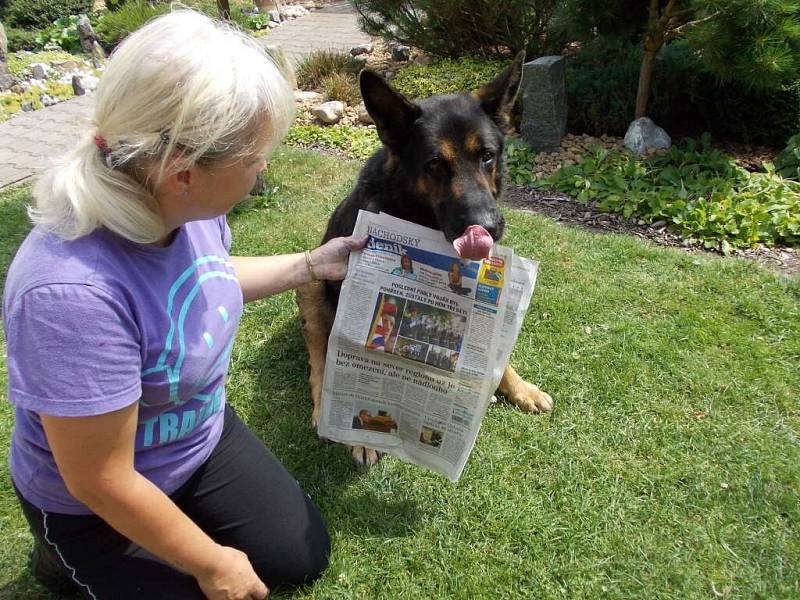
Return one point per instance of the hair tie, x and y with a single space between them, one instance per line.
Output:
101 143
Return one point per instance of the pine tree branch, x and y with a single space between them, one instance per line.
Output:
678 31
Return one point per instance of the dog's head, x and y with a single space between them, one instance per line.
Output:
447 151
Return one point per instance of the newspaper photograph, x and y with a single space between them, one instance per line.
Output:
419 343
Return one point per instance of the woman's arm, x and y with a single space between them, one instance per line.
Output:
261 276
95 458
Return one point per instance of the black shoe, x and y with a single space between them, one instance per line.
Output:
50 574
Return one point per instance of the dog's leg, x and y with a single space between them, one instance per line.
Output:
525 395
316 320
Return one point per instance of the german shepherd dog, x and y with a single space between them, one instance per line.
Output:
441 166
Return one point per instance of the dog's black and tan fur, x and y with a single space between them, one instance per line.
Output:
440 166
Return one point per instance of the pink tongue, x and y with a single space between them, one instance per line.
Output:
474 244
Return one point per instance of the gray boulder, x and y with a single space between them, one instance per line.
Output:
363 116
6 79
329 113
3 44
362 49
41 70
401 53
643 135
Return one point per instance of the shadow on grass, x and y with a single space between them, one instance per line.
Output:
325 470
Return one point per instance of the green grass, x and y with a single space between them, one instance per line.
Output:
669 468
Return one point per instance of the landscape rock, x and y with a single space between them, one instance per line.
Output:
7 81
401 53
293 12
301 96
41 70
86 34
544 103
329 112
363 116
3 44
422 59
645 137
362 49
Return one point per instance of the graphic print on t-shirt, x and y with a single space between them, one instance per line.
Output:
187 381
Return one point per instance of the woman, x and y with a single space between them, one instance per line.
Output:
120 310
406 268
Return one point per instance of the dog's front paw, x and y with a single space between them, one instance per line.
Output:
530 398
364 456
315 416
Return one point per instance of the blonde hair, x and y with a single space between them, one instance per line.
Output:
180 91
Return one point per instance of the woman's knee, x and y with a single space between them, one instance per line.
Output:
302 559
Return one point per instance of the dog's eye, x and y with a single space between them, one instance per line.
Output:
434 163
487 156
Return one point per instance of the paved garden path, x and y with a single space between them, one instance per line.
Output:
29 141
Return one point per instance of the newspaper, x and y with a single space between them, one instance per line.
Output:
419 343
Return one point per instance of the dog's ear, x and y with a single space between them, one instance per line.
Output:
392 113
497 97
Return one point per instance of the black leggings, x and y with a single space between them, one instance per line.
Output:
241 497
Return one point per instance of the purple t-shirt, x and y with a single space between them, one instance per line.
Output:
96 324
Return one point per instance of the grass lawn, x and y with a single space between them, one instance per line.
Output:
669 468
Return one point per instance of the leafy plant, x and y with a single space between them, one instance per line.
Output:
257 21
319 64
519 161
698 190
63 33
356 142
446 76
41 13
787 163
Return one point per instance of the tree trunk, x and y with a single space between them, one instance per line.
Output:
645 78
224 9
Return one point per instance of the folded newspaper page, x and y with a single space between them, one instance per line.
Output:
419 343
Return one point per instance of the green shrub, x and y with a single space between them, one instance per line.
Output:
41 13
446 76
698 190
21 39
115 26
601 93
356 142
320 64
456 28
787 163
342 86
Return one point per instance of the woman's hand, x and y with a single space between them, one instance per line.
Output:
233 578
330 259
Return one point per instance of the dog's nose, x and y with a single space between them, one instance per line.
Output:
494 223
